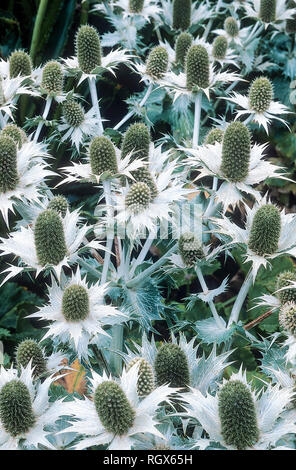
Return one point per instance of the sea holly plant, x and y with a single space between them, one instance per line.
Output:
148 228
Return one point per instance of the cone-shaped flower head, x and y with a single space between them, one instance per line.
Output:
183 44
138 198
215 135
190 249
267 12
260 94
283 280
75 303
157 62
236 151
102 156
265 230
8 164
113 408
238 415
291 23
52 78
143 175
182 14
16 133
287 317
19 64
145 384
136 6
220 47
136 141
49 238
59 204
30 350
231 26
16 412
73 113
88 48
171 366
197 68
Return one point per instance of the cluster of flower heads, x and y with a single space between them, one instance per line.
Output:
98 276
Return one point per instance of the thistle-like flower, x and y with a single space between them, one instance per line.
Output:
273 12
190 249
157 62
287 318
180 14
29 351
17 134
20 64
52 79
182 45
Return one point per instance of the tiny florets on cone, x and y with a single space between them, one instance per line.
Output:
284 280
145 383
136 6
113 408
73 113
236 151
265 230
197 68
19 64
190 249
102 156
182 14
260 94
136 142
52 78
88 48
157 62
237 413
143 175
138 198
220 47
28 350
267 11
16 412
59 204
8 164
15 133
75 303
215 135
49 238
287 317
171 366
231 26
182 46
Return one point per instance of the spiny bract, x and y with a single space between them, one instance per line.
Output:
73 113
52 78
182 14
16 133
157 62
75 303
220 47
102 156
190 249
236 149
287 317
145 384
30 350
171 366
231 26
113 408
197 68
238 415
283 280
88 48
183 44
136 6
19 64
136 142
8 164
138 198
49 238
59 204
16 412
215 135
265 230
267 11
260 94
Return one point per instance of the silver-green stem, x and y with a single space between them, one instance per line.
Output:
197 112
211 303
131 113
44 117
234 316
95 102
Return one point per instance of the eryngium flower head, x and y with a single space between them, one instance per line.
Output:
287 317
220 47
171 366
182 14
102 156
75 303
236 151
52 78
15 133
8 164
197 68
157 62
16 412
145 383
190 249
143 175
19 64
30 350
260 94
231 27
265 230
73 113
88 48
136 6
59 204
183 43
138 198
267 12
49 238
113 408
238 415
136 141
291 23
283 280
215 135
